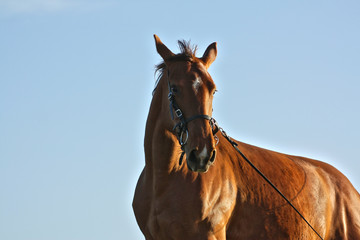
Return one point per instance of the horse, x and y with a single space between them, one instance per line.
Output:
196 186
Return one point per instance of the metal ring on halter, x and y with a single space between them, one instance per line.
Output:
216 139
182 143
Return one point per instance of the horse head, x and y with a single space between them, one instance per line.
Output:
190 96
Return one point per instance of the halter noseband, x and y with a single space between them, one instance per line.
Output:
181 127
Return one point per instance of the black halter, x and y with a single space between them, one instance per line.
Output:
181 127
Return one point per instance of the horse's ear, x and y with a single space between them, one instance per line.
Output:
210 54
164 52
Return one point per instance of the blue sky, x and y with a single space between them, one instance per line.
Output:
75 86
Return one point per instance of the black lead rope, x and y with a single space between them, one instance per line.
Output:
234 144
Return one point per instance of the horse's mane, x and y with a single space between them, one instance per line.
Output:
187 53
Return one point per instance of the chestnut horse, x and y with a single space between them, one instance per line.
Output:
214 193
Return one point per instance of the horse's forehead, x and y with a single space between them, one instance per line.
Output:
191 66
203 74
182 66
193 72
199 67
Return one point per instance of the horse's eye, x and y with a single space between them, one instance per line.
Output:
174 89
215 92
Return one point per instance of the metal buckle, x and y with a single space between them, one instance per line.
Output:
214 126
178 113
170 96
181 140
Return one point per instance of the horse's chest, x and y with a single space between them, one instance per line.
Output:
188 217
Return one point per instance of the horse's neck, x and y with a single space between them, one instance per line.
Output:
160 143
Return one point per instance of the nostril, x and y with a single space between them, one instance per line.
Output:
192 157
213 155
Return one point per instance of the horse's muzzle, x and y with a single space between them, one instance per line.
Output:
200 161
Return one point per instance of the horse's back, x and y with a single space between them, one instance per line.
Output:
323 195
